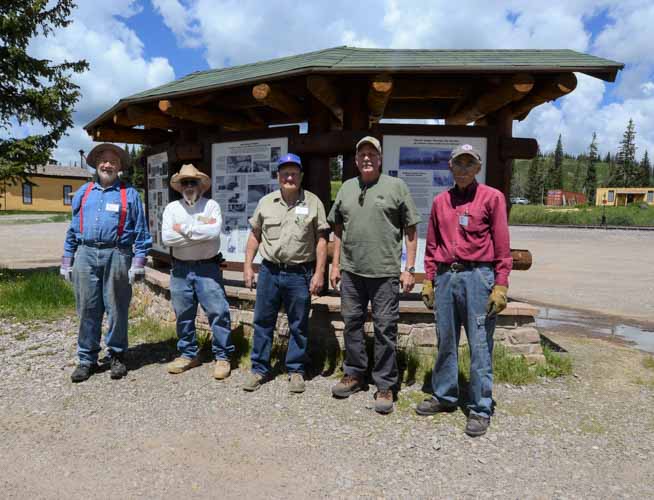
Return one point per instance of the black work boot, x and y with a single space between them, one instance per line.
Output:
477 425
118 368
83 372
431 406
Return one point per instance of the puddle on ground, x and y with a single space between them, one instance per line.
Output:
597 326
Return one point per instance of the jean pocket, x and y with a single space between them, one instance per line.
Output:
487 276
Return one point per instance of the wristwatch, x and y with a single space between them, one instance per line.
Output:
411 270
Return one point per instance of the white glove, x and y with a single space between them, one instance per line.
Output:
137 271
66 269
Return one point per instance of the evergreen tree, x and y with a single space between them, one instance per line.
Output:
577 179
645 171
535 186
555 173
590 182
33 90
607 158
626 172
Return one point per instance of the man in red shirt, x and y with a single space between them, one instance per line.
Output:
467 262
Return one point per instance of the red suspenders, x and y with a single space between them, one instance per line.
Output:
123 208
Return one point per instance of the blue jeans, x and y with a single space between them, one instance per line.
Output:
461 299
190 284
101 285
274 287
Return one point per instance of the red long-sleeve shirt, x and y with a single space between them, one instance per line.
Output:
485 238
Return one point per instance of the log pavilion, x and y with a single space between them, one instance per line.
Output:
344 93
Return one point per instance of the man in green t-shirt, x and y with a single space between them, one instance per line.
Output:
370 215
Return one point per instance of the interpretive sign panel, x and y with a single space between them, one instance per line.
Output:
422 162
157 196
242 173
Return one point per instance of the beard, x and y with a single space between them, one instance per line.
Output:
191 196
107 177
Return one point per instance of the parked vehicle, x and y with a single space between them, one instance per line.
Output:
519 200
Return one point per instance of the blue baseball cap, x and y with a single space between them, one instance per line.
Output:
289 158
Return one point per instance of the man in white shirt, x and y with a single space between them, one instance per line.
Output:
191 228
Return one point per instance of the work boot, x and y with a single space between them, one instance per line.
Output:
252 382
431 406
348 385
83 372
296 383
384 401
221 369
477 425
182 364
118 368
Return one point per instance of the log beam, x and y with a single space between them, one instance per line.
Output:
430 89
137 115
544 91
323 90
278 99
494 98
225 119
379 93
130 136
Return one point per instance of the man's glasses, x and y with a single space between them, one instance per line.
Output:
189 183
464 166
372 156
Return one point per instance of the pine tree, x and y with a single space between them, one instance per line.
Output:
577 179
33 90
590 182
535 180
626 173
555 174
645 171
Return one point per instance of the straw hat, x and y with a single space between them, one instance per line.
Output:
92 157
189 171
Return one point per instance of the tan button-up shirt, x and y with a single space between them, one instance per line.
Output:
289 234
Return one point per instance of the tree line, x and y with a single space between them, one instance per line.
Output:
546 171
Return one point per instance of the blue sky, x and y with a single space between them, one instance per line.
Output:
133 45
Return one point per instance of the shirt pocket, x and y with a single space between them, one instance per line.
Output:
272 228
476 222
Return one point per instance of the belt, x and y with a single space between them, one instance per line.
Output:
302 268
460 265
213 260
104 244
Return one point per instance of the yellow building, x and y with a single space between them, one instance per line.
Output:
49 189
622 196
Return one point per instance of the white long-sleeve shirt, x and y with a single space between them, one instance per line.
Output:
198 240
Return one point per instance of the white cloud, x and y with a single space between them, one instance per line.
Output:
118 66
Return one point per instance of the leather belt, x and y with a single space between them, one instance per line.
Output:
461 265
212 260
302 268
103 244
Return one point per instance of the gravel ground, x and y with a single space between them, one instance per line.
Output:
160 436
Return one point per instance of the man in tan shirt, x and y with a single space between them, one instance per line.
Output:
289 228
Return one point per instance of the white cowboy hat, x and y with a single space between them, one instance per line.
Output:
189 171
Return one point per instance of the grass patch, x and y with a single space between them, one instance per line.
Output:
151 331
335 185
648 362
35 294
556 365
631 215
407 400
592 426
21 336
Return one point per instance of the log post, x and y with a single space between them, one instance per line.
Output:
355 118
499 169
379 93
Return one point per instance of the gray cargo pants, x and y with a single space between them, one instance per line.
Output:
384 296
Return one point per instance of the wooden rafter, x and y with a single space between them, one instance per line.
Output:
323 90
130 136
544 91
496 97
277 98
379 93
149 118
225 119
429 89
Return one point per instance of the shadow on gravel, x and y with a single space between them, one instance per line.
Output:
146 354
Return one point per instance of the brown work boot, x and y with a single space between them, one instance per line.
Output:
182 364
221 369
348 385
384 401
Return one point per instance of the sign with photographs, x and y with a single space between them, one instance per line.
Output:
242 173
422 162
157 196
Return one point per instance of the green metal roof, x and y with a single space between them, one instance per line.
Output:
359 60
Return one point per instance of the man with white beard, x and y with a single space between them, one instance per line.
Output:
191 228
108 240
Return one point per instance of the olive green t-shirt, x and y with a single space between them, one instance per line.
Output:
373 220
289 234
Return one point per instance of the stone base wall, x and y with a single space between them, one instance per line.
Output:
415 331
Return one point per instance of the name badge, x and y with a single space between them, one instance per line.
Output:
112 207
301 210
463 220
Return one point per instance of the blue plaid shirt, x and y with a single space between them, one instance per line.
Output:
101 217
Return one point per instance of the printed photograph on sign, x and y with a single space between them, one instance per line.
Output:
257 191
238 164
275 154
424 158
260 166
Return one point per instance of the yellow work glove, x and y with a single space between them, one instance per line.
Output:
497 300
428 294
